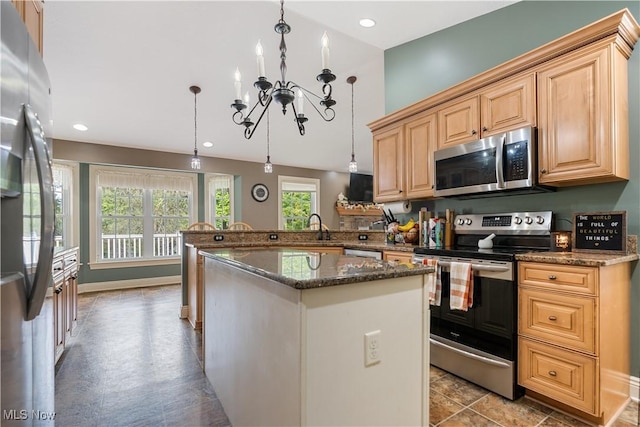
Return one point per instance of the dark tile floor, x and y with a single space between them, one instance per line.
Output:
133 362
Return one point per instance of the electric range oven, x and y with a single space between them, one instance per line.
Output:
480 344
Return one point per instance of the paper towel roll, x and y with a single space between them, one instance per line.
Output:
398 207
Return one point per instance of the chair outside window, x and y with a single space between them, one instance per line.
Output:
240 226
201 226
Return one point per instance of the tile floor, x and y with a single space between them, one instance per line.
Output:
456 402
133 362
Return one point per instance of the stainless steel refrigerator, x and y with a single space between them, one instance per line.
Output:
26 229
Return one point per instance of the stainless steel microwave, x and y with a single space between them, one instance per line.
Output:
505 162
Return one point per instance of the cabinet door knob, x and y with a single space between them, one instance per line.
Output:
474 132
484 129
552 318
399 191
553 373
552 277
543 170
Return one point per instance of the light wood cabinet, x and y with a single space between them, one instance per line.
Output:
388 163
573 343
583 124
574 90
503 106
65 299
32 13
397 256
421 141
195 275
403 159
59 307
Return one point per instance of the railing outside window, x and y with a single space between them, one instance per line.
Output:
129 246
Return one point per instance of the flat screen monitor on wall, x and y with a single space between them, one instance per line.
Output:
360 188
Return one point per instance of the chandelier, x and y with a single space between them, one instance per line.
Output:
282 91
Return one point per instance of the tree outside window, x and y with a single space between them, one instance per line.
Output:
140 214
298 200
220 190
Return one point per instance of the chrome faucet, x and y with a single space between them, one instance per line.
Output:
320 231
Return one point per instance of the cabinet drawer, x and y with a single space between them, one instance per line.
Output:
567 278
562 375
565 320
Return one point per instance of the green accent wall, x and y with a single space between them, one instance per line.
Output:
438 61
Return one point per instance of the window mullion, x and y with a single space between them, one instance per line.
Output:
147 247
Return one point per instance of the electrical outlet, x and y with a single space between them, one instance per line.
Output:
371 348
218 237
363 237
273 236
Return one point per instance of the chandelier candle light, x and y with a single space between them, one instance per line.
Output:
283 92
195 160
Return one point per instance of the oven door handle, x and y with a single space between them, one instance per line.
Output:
470 355
479 267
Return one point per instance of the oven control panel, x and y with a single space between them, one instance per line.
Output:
538 223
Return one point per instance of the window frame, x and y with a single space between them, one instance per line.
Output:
296 180
71 204
94 229
209 213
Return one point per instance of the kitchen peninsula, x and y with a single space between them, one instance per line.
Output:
298 337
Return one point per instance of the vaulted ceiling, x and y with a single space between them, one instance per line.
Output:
124 69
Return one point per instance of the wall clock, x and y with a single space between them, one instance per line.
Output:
260 192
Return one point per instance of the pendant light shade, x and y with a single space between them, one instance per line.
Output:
353 164
195 160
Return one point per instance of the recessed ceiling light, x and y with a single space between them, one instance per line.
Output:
207 144
367 23
80 127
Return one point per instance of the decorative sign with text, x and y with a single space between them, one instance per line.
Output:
600 232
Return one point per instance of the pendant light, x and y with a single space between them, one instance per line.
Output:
353 165
268 167
195 160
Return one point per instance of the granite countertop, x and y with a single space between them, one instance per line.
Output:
372 246
302 269
577 258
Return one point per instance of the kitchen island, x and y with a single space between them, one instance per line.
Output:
295 337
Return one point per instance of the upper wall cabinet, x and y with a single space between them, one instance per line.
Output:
573 89
402 159
583 125
500 107
388 163
32 13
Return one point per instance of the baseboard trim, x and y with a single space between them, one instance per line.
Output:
634 388
184 311
128 284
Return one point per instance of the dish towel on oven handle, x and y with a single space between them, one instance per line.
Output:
461 286
434 283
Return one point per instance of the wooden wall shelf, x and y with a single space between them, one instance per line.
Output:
359 211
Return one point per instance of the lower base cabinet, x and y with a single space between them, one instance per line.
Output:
65 298
574 337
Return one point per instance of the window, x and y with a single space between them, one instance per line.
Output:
62 195
220 200
139 213
297 199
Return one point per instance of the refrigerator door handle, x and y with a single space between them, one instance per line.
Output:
42 277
